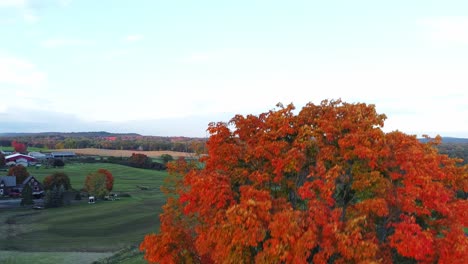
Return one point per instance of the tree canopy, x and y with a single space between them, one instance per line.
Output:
19 147
27 195
2 160
99 183
57 179
325 185
20 172
109 178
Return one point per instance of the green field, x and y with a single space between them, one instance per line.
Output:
104 227
30 149
17 257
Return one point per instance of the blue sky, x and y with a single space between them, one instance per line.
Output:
169 68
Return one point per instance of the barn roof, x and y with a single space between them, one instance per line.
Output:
18 155
10 181
63 154
37 154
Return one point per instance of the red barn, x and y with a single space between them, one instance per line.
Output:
20 159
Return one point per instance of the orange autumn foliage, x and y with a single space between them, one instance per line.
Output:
325 185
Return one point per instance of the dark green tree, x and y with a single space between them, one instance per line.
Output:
139 160
54 197
166 158
27 196
57 179
58 163
2 160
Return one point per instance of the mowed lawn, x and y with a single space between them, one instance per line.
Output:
106 226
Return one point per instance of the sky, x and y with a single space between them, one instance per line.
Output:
168 68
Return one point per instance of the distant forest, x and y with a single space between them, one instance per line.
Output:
455 150
454 147
104 140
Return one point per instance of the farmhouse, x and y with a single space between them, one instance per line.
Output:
36 186
7 183
20 159
9 186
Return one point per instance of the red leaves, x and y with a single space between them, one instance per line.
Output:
109 178
20 172
376 206
325 185
411 241
19 147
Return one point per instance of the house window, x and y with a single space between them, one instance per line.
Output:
36 188
35 183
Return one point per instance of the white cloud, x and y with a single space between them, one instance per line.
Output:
134 38
198 57
64 3
3 108
30 17
224 55
450 29
23 82
29 10
59 42
12 3
25 11
15 71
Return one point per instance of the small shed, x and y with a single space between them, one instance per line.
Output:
91 200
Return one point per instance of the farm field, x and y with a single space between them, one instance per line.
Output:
124 153
107 152
16 257
30 149
104 227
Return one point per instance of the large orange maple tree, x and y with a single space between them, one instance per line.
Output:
325 185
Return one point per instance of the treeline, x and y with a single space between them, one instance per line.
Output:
136 161
455 150
106 140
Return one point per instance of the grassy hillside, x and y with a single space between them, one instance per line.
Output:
106 226
30 149
16 257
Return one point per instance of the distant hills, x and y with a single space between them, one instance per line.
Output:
98 134
71 134
448 140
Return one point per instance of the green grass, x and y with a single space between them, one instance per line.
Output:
16 257
30 149
128 255
106 226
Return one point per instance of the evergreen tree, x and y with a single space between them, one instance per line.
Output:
54 197
27 196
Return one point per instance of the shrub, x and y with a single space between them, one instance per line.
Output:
166 158
58 163
56 180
